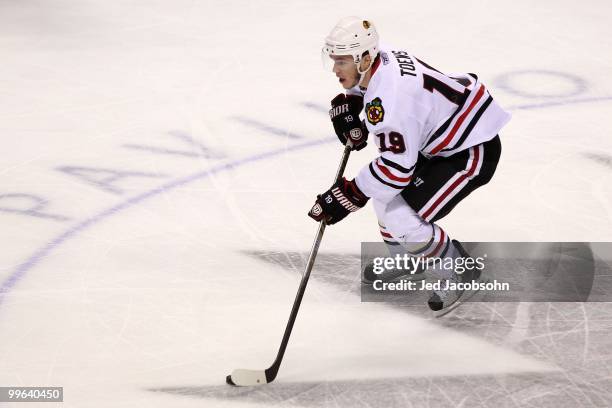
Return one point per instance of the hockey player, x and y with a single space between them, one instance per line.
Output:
437 136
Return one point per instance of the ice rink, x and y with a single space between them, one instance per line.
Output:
158 161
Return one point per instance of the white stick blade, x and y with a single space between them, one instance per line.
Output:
247 378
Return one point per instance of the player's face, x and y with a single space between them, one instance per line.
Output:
346 70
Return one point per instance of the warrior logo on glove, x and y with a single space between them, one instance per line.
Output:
335 204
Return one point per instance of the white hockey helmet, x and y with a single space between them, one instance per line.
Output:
351 36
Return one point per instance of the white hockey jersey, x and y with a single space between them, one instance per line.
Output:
411 107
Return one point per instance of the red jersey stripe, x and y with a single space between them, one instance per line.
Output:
440 243
455 184
459 122
390 175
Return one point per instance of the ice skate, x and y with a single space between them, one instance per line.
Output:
368 276
445 300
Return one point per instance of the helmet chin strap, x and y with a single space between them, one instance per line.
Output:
362 75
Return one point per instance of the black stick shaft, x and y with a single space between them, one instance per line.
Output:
273 370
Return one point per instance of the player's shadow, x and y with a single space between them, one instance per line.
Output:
532 264
534 272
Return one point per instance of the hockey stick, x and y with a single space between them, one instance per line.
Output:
244 377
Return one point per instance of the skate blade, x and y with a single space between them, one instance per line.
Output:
465 296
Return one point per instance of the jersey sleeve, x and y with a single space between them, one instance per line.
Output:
396 124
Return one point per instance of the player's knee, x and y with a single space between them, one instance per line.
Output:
411 233
403 223
415 238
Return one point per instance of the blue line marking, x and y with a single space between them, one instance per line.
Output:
560 103
504 82
266 128
21 270
320 108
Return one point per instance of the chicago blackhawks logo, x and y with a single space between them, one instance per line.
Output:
375 111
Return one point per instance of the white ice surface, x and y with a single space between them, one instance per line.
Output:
159 292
